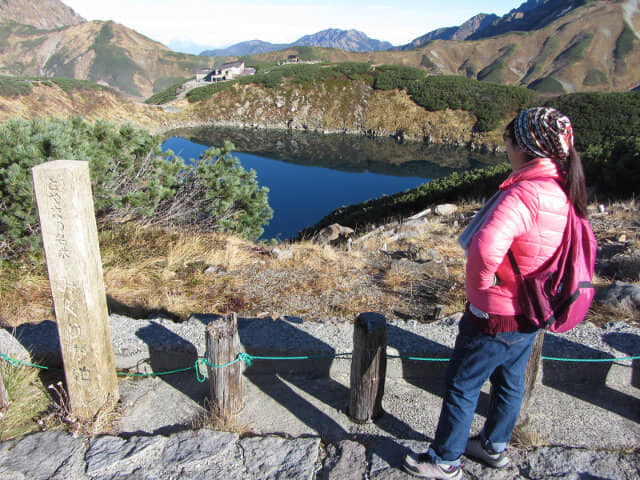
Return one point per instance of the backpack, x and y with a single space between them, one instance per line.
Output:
558 295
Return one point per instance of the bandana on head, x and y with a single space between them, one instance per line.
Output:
544 132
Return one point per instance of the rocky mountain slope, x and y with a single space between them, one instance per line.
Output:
349 40
103 52
42 14
594 47
462 32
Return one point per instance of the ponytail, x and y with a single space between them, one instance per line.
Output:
575 185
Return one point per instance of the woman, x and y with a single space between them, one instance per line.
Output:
528 216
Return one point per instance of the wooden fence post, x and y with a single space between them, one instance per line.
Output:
368 367
4 397
70 238
530 376
223 346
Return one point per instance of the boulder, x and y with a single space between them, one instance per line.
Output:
445 209
620 293
333 233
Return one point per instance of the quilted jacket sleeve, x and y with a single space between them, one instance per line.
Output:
514 215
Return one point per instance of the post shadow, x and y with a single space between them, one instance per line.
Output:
584 380
168 352
330 392
429 376
42 341
628 343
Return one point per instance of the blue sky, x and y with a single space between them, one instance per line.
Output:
191 25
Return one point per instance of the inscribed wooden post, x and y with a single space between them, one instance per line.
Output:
223 346
368 367
70 237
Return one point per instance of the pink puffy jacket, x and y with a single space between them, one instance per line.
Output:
529 218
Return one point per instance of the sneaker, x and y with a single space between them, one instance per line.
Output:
475 449
421 466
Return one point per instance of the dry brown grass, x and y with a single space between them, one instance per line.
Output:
61 417
149 271
526 438
208 419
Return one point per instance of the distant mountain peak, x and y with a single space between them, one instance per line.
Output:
43 14
349 40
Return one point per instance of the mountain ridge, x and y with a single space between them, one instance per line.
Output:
348 40
43 14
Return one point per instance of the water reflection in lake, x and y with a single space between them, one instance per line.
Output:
309 175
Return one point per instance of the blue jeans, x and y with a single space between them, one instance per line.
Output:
503 358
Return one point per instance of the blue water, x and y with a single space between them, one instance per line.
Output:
302 195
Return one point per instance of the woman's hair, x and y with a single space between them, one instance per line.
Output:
545 132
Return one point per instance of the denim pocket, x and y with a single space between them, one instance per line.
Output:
512 338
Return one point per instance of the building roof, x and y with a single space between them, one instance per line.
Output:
232 65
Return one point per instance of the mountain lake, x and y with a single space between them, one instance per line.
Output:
310 174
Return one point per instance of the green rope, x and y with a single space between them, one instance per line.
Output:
126 374
590 359
421 359
248 359
17 363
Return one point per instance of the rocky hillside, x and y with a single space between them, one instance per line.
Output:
103 52
531 15
45 99
42 14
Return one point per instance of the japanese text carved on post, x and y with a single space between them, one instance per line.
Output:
70 237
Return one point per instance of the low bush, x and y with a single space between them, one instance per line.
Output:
132 179
547 85
614 167
490 103
388 77
595 77
599 118
624 43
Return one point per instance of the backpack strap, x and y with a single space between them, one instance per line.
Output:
514 264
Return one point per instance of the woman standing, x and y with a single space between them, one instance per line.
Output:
528 216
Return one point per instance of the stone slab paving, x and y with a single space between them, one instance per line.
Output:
205 454
588 415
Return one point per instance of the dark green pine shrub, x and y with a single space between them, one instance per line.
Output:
614 168
595 77
490 103
598 117
547 85
388 77
624 44
132 179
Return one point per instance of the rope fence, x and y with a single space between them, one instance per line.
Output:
248 360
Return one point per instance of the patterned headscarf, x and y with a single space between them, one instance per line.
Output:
544 132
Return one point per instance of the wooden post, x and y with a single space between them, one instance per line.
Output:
4 397
368 367
530 376
223 346
70 237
